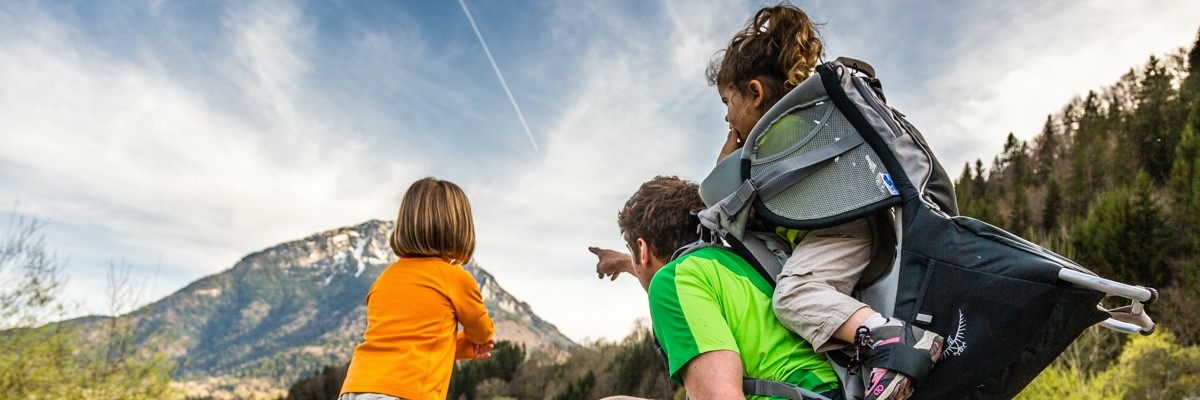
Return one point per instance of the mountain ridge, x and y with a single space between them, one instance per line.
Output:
288 310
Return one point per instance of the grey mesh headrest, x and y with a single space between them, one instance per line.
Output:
724 179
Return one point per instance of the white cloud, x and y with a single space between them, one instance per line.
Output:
124 147
1007 74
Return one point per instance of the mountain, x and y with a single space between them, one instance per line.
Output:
286 311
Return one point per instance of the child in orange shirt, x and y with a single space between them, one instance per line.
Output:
415 306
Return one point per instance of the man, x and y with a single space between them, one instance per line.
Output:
711 311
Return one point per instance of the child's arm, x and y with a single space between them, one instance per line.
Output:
469 309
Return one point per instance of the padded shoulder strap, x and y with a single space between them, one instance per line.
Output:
691 247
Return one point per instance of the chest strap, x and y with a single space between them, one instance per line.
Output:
763 387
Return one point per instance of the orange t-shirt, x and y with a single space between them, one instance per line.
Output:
411 342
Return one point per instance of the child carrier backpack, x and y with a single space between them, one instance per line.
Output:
832 151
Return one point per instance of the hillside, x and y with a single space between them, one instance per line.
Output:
286 311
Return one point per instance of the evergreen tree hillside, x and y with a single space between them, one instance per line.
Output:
1113 181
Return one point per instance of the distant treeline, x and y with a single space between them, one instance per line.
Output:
594 370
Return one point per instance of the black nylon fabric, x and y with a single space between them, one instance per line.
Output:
1003 312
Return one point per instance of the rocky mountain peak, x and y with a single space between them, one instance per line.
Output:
288 310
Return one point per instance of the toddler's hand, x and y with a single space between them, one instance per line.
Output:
733 141
482 351
611 263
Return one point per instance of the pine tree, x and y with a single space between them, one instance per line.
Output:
579 389
1152 133
1191 85
1052 208
506 359
1019 222
324 385
1184 185
1087 155
1125 236
1047 150
984 203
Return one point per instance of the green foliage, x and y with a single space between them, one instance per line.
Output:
1059 383
1089 158
1052 208
598 369
40 360
638 365
1155 367
1184 184
324 385
1048 151
1179 304
1019 220
974 197
579 389
1125 236
506 358
1150 367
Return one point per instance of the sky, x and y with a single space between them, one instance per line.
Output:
175 137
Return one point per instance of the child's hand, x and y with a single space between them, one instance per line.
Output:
482 351
611 263
733 141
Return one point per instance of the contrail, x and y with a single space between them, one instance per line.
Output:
499 75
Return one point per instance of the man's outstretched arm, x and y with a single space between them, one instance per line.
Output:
611 263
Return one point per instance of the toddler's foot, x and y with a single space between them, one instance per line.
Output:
893 341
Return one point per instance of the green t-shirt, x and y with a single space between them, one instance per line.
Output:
711 299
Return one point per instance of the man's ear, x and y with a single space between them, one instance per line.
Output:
643 252
758 93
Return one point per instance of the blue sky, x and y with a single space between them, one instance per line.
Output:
177 137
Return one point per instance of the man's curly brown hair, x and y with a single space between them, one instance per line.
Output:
660 212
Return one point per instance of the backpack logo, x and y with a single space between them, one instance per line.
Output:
956 345
885 183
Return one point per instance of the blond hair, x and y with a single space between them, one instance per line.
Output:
434 221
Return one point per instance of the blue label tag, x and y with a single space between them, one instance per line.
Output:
887 181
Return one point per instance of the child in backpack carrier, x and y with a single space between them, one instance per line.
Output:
777 50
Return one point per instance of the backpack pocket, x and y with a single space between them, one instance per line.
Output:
987 321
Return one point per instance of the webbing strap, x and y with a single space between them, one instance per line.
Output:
785 390
783 175
903 359
738 200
